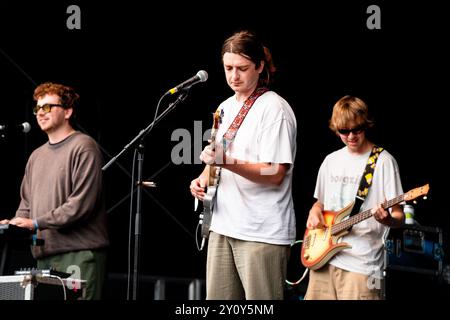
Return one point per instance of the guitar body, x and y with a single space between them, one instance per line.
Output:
319 245
209 201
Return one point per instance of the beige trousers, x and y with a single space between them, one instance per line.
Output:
332 283
238 269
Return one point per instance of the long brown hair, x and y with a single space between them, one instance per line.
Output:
248 45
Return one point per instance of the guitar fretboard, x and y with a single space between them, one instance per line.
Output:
344 225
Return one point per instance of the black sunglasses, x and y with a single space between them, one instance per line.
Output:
46 107
355 130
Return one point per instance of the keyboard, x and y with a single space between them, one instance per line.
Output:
13 230
13 233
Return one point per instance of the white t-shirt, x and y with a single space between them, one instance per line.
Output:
337 184
244 209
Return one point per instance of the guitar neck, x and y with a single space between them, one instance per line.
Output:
211 175
212 170
344 225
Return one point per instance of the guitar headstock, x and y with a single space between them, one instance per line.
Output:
217 119
417 192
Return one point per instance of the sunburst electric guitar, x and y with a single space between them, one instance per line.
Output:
211 189
320 245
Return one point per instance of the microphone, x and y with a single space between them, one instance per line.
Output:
24 127
201 76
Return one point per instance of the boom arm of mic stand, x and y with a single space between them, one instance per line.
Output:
144 132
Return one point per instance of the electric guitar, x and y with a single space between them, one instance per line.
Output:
320 245
211 189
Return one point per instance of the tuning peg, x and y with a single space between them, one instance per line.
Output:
415 202
425 197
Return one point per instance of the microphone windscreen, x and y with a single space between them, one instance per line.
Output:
26 127
203 75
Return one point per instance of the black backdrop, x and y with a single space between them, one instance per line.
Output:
126 55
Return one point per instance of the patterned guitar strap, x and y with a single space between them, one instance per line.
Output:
229 136
366 180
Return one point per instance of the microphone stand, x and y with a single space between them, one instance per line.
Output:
140 151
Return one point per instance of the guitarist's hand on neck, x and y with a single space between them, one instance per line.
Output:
213 155
393 219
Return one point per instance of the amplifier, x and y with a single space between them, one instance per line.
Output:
414 248
41 287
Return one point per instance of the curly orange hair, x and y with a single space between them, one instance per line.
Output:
67 95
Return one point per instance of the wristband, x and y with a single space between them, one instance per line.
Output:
35 224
